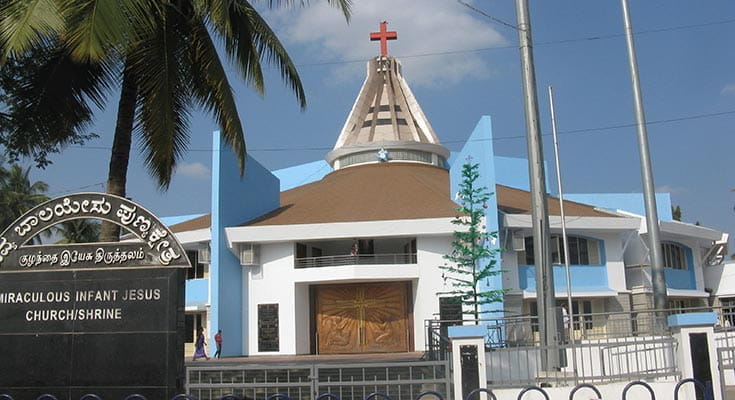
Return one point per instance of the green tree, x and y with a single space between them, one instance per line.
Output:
676 213
472 259
164 55
18 194
77 231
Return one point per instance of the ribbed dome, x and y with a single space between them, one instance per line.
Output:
386 123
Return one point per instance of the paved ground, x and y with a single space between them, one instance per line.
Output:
730 391
310 359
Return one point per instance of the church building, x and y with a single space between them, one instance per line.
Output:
343 256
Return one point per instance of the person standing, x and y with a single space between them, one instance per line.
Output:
218 342
199 350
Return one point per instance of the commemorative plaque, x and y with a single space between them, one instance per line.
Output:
101 318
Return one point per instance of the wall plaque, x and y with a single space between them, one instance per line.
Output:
268 327
103 318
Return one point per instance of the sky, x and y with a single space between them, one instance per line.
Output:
461 63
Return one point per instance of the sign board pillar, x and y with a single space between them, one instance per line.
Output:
468 359
697 354
102 318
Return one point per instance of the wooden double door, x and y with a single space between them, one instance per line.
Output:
362 318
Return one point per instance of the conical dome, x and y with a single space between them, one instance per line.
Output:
386 123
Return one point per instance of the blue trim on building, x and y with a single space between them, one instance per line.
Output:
302 174
479 147
693 319
235 199
682 278
587 278
466 331
197 292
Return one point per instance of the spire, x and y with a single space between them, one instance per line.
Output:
386 122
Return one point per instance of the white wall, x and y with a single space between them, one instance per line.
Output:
276 285
430 252
281 283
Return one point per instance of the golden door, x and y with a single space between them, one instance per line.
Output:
362 318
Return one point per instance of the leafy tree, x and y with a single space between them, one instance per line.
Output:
77 231
18 194
472 260
164 55
676 213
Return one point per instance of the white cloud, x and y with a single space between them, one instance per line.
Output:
670 189
194 170
729 89
429 26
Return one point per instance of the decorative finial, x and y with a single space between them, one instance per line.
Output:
384 36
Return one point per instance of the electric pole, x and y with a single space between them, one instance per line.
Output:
545 298
658 279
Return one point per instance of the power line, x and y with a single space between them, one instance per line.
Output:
566 132
486 15
539 43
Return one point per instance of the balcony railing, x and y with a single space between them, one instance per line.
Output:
361 259
638 276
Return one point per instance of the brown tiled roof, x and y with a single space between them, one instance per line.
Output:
517 201
378 192
193 224
371 192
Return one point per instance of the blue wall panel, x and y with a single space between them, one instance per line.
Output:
479 148
235 200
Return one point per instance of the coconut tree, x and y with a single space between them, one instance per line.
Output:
18 194
164 54
76 231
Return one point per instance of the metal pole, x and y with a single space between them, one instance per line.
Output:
660 300
570 308
541 237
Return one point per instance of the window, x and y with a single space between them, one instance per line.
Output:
580 308
197 269
674 256
582 251
680 305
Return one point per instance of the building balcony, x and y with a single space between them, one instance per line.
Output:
360 259
197 294
639 276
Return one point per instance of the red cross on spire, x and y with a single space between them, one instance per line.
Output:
384 36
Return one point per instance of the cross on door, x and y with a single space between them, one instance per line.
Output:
384 36
361 304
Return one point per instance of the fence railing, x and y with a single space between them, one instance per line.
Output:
400 380
580 391
359 259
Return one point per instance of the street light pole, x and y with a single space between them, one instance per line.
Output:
660 299
539 213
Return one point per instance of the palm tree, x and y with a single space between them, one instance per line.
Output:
164 54
77 231
18 194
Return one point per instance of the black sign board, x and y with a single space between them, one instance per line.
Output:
103 318
268 327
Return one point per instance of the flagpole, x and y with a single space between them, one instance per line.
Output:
570 314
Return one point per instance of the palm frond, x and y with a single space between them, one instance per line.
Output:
25 24
343 5
164 96
274 53
212 89
48 100
95 27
